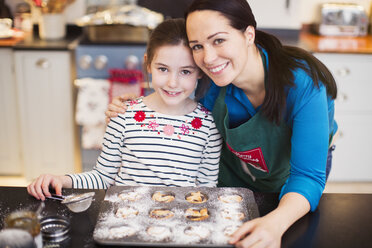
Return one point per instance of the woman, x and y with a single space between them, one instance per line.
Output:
274 107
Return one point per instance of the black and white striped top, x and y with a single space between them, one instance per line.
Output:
147 148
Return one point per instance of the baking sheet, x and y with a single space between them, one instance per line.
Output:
211 231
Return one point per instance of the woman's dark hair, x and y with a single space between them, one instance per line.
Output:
282 59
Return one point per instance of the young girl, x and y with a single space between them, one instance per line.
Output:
164 139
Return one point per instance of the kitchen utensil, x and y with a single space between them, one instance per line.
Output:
172 216
76 203
343 19
55 228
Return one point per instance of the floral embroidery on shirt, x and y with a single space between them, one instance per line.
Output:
185 129
140 116
204 109
132 102
196 123
168 130
153 125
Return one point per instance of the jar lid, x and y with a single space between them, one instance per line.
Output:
55 228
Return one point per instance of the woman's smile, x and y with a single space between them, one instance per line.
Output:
218 69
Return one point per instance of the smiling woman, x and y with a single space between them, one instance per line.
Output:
274 107
278 93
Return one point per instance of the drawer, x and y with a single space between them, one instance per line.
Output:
352 157
353 75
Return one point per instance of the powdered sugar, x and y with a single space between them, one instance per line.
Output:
175 230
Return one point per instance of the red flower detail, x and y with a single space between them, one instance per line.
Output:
140 116
196 123
132 102
204 109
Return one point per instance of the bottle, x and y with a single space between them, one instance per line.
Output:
23 18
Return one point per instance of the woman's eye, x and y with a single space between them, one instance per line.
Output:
162 69
218 41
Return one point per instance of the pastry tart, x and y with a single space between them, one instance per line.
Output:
197 214
165 197
161 213
196 197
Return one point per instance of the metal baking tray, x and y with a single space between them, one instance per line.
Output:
180 230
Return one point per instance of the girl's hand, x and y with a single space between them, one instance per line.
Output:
117 106
39 188
260 232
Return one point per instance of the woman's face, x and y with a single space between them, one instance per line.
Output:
220 50
174 74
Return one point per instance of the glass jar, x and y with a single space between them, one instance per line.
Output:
26 220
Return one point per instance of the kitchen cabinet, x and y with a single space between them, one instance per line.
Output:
10 152
282 14
46 111
353 113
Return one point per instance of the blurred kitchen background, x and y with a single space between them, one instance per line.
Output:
61 62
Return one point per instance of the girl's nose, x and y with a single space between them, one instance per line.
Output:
173 81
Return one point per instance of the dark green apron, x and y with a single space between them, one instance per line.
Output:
255 154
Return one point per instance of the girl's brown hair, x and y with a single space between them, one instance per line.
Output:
171 32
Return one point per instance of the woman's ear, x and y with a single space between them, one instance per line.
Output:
147 66
249 34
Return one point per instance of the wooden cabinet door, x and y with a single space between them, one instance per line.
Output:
10 151
46 111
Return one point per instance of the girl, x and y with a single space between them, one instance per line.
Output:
164 139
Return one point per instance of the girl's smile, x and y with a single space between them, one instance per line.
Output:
174 78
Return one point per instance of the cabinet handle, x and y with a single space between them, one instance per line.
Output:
341 134
343 72
342 97
43 63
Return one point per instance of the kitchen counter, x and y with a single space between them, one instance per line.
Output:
341 220
33 41
329 44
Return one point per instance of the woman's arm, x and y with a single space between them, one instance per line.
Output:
267 231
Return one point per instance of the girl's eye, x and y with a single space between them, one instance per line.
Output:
162 69
196 47
218 41
185 72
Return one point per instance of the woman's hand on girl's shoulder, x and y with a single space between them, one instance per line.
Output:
117 106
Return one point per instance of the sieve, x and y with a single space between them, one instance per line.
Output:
76 203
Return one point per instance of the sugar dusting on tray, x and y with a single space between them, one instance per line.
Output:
143 228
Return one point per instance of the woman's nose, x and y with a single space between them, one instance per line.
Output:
209 55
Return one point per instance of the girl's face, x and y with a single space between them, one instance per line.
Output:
174 74
220 50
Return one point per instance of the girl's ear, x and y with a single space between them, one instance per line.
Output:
249 34
148 69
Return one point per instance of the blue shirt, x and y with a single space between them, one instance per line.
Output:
309 114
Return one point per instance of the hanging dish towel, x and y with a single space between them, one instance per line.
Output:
92 102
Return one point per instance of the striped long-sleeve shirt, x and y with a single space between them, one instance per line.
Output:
143 147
